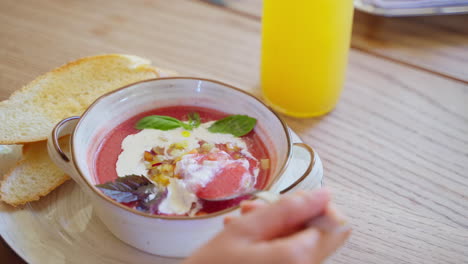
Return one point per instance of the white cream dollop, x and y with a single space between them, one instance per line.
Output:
181 198
196 174
178 201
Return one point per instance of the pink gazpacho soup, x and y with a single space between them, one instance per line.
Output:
174 160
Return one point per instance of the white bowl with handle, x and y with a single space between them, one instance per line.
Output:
171 236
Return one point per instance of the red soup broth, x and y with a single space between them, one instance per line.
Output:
110 149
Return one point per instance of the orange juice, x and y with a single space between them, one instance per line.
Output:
305 47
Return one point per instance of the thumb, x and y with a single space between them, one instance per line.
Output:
283 217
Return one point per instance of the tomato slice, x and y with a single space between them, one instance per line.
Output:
227 182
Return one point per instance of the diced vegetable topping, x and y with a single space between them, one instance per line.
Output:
265 164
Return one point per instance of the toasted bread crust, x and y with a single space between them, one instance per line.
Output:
141 68
67 67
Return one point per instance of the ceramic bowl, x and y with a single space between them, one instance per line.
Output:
172 236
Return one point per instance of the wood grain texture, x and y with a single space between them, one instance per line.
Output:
438 44
395 150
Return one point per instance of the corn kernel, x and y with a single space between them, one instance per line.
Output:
166 167
265 164
154 171
158 158
154 178
158 150
148 156
169 173
176 152
180 145
163 180
193 151
229 147
207 147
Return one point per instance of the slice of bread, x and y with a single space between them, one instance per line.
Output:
33 177
9 156
30 113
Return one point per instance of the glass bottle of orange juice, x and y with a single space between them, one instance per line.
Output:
305 47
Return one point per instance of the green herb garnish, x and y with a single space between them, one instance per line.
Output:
134 188
237 125
161 123
194 119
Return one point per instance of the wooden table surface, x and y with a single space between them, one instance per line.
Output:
395 150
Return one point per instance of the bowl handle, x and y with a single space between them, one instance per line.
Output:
307 171
60 157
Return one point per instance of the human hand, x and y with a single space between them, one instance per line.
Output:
276 233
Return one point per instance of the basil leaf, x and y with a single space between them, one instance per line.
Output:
119 196
125 184
124 189
150 203
134 188
194 119
159 122
237 125
185 126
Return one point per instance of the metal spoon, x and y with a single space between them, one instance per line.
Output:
323 222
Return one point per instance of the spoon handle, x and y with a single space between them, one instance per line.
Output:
269 197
